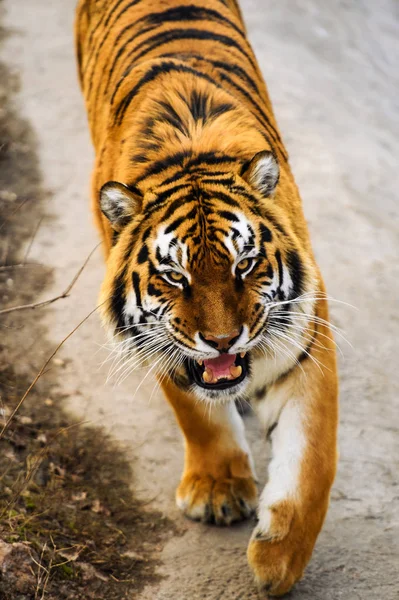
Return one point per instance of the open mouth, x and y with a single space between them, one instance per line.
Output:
225 371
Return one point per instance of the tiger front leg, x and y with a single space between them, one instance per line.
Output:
218 483
295 499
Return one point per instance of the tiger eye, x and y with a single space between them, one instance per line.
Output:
176 276
243 264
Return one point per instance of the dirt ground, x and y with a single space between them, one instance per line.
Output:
332 73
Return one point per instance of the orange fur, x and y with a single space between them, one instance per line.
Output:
179 113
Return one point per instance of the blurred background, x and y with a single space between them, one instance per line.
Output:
89 468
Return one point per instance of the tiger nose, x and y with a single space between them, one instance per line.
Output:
221 342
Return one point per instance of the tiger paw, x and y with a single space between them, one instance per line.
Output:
279 549
222 501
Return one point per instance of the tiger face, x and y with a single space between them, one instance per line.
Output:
202 274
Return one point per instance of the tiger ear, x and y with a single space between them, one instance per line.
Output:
119 203
262 172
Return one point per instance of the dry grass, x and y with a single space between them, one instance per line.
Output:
72 504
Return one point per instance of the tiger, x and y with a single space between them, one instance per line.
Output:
211 280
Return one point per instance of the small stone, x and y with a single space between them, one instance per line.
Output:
24 420
8 196
133 555
90 573
48 402
79 496
10 455
42 439
58 362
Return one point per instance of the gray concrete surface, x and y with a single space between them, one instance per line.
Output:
332 73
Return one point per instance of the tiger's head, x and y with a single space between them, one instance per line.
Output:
204 271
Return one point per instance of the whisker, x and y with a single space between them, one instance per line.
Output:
318 363
322 322
139 358
139 354
302 331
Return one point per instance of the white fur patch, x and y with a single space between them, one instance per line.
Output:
163 241
238 429
288 445
202 346
169 247
131 309
236 245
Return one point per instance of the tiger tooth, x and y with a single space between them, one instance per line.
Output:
242 354
235 371
200 362
207 376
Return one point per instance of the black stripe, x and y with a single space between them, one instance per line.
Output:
265 234
153 291
160 201
106 17
142 255
170 116
139 158
280 268
269 271
104 39
173 35
198 105
175 177
115 236
118 299
175 14
225 214
257 325
190 232
165 163
210 158
219 64
146 235
192 214
181 332
172 208
189 13
296 270
151 75
212 179
175 224
177 160
265 119
220 109
223 197
136 287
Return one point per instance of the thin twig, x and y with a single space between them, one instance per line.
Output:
13 212
40 373
32 239
23 265
4 252
65 294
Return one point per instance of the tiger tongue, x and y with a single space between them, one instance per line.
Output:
220 366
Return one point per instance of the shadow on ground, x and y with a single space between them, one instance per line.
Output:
70 527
